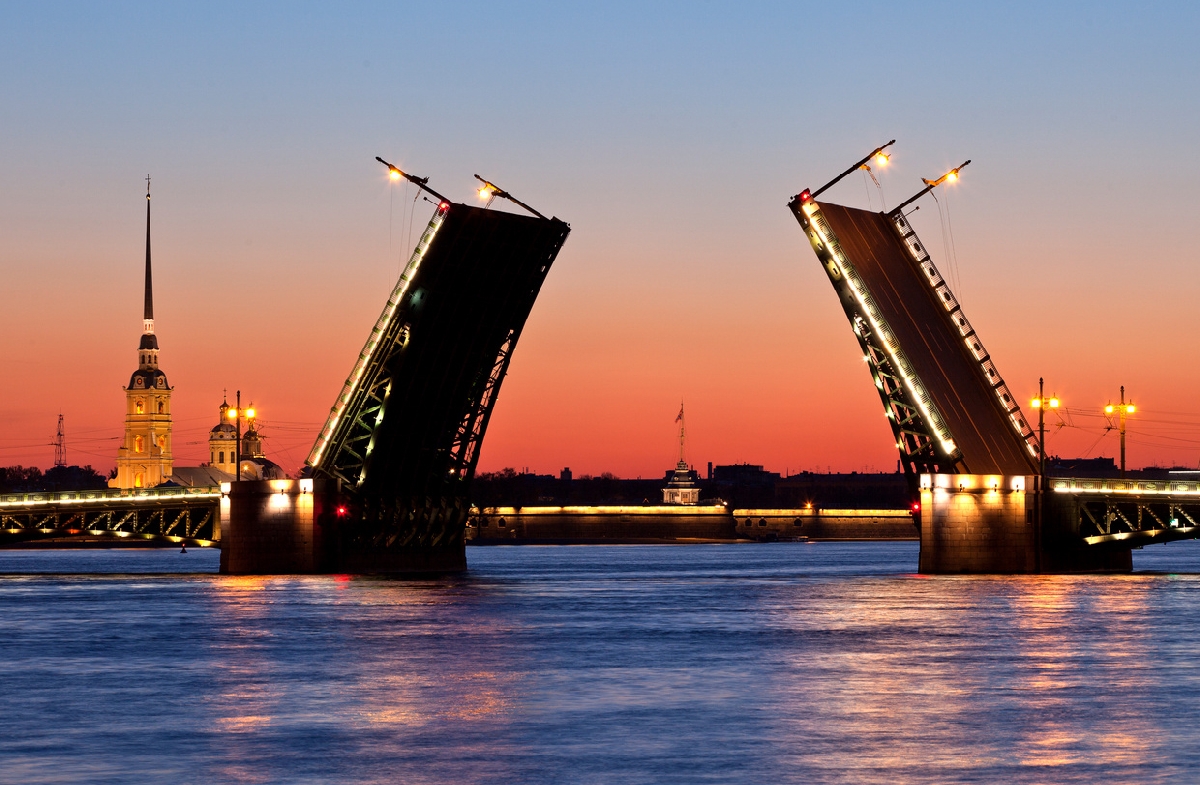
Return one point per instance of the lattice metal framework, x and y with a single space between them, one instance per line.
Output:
403 438
180 517
1129 511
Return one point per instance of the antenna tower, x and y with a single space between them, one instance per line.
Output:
60 444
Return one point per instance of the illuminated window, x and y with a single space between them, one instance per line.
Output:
139 444
162 442
138 481
141 407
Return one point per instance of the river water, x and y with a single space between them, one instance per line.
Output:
774 663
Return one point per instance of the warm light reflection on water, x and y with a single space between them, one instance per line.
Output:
773 663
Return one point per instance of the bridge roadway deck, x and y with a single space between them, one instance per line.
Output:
188 516
933 345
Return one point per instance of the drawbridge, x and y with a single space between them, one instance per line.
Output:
400 446
951 412
949 408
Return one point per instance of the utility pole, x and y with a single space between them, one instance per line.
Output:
237 470
1122 432
1041 430
1040 403
60 444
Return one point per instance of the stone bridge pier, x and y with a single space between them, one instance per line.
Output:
282 527
979 523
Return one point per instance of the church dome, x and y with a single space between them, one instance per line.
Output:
224 429
148 379
149 341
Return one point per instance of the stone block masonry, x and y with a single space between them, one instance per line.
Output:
972 523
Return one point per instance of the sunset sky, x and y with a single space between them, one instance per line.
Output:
670 136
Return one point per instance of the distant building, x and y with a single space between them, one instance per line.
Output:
223 449
222 443
743 474
145 457
255 465
683 486
878 491
199 476
1087 467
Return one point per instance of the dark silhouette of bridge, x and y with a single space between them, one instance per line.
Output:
389 477
970 456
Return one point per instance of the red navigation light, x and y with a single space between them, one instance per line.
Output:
805 195
341 511
916 506
444 206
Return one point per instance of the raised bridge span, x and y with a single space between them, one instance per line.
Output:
389 476
970 456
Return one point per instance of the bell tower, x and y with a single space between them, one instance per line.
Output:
222 443
145 458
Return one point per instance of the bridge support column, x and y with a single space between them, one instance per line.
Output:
282 527
973 523
270 527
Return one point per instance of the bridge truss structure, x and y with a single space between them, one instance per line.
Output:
1129 512
189 516
949 409
402 440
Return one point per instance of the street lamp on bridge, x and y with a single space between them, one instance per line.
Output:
1041 403
1123 408
236 414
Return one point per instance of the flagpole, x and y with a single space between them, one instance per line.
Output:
681 431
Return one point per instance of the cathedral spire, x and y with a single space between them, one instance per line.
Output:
148 316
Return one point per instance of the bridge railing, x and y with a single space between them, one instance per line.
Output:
1133 487
974 345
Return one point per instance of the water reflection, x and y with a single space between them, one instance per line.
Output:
780 663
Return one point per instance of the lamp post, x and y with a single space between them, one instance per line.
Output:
1040 403
237 414
1124 409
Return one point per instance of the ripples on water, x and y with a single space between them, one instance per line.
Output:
789 662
